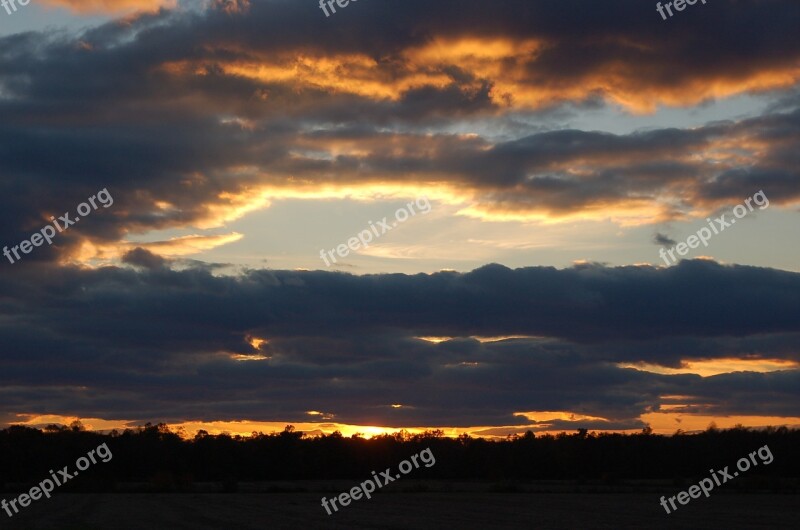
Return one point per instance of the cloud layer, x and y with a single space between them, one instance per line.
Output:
194 118
273 345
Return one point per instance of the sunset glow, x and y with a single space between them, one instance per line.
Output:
411 216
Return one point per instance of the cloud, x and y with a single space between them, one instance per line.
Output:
111 6
663 240
143 258
196 118
152 342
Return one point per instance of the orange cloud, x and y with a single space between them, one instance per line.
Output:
709 367
544 416
509 66
111 6
90 252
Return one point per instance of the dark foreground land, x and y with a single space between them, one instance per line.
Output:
404 511
158 480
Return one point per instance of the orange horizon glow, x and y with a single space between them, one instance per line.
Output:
664 423
710 367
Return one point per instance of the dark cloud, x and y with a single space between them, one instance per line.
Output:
143 258
663 240
157 343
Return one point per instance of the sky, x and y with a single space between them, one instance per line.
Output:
484 217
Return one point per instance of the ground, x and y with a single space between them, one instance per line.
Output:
402 511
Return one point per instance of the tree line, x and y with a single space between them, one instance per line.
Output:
169 460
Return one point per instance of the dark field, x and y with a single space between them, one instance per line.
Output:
470 507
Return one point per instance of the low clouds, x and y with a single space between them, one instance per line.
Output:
153 342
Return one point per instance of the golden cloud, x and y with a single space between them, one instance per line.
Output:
92 253
111 6
508 66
